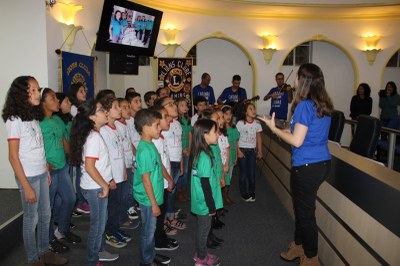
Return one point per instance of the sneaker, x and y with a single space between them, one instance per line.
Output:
83 208
67 236
246 198
208 254
58 247
107 256
76 214
252 199
169 246
130 225
175 223
209 260
173 241
114 241
122 235
162 259
169 231
132 213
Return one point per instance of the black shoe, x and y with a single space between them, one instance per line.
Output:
76 214
58 247
173 241
162 259
169 246
71 238
212 244
246 198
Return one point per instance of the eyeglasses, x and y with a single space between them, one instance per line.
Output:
101 109
170 104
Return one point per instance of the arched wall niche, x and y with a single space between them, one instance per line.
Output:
320 37
390 74
222 36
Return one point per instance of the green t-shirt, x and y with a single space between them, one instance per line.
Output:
233 136
202 168
53 133
186 128
67 130
218 169
148 161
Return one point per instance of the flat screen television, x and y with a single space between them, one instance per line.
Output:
127 27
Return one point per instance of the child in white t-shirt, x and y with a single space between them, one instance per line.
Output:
162 242
113 141
173 137
127 204
88 149
27 158
249 150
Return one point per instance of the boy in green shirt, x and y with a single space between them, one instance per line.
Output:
148 183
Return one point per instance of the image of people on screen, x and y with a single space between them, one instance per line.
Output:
124 31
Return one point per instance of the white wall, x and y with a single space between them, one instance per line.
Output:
22 52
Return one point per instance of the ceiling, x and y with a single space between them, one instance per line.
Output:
288 9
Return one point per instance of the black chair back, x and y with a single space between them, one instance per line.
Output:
366 136
337 125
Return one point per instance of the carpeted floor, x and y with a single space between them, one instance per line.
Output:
254 235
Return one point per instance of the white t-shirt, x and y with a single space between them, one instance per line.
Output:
126 141
162 149
31 148
223 146
174 141
113 141
194 119
134 135
95 148
248 133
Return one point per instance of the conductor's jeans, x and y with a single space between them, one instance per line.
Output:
305 181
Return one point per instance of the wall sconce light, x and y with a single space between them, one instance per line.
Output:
69 33
170 42
371 51
268 49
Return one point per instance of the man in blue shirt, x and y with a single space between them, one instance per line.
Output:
204 89
281 96
233 94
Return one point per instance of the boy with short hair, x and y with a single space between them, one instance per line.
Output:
148 184
149 98
200 104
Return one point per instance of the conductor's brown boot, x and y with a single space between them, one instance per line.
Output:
294 251
304 261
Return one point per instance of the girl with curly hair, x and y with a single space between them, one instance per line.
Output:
27 158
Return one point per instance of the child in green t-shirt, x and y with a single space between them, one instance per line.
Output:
233 138
204 184
148 182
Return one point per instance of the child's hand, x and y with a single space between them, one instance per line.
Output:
112 185
212 214
105 192
222 182
171 186
259 155
156 210
240 154
30 195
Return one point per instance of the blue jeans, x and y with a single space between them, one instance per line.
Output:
98 219
247 175
79 197
175 169
36 214
305 181
182 182
147 242
61 187
113 209
127 200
